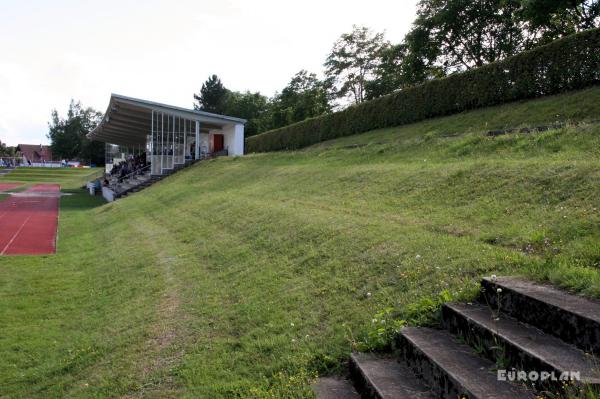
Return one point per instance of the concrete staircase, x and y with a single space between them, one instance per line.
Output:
135 186
516 325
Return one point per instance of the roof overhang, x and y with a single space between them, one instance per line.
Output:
128 121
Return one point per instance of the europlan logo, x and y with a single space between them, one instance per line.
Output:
534 376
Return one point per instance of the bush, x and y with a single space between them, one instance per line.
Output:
567 64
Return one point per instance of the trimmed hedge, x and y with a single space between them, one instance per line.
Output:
570 63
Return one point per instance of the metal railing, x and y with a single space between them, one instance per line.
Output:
136 172
92 177
131 175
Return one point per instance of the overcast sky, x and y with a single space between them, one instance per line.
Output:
55 50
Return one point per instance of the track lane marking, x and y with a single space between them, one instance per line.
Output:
15 235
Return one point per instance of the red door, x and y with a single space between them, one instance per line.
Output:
218 142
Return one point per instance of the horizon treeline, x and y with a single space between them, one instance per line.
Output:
447 36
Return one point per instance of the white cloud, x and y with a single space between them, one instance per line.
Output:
164 50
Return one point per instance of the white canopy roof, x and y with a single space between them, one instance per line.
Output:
128 121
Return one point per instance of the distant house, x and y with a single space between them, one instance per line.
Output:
34 153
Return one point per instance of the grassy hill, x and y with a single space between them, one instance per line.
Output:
247 276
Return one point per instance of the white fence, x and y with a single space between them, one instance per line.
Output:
44 165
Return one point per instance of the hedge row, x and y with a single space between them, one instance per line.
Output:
570 63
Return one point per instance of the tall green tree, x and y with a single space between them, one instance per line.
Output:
68 135
464 34
249 106
557 18
6 151
420 59
388 76
212 96
304 97
216 98
352 62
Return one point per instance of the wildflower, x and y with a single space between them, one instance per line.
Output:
292 324
499 290
418 257
368 295
494 277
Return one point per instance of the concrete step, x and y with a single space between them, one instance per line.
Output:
451 368
519 345
572 318
379 376
138 183
334 388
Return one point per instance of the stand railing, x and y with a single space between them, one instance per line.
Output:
133 174
93 177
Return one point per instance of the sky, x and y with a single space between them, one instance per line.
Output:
54 50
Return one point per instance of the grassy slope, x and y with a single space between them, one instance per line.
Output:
245 276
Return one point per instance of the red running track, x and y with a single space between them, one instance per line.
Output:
8 186
28 223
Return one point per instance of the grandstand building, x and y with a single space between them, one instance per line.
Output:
166 135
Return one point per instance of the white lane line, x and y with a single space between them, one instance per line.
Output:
15 235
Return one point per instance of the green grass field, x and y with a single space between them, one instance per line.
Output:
67 177
246 277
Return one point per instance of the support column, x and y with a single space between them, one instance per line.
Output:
234 139
106 156
172 165
151 145
162 141
197 155
238 139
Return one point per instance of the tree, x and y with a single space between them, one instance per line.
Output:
212 96
388 76
216 98
68 135
304 97
467 34
249 106
352 62
557 18
420 60
6 151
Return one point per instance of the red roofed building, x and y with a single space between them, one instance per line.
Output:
35 153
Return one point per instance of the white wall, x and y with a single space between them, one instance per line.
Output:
234 139
108 194
204 142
